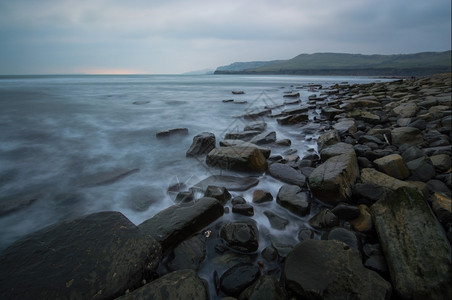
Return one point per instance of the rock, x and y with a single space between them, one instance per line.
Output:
419 124
256 113
106 177
437 186
406 110
184 197
264 138
393 165
441 162
331 112
264 288
375 260
173 224
327 139
171 132
189 254
421 169
293 119
294 95
335 150
242 135
363 223
232 183
260 196
345 211
276 222
101 254
286 174
332 181
346 236
442 207
182 284
241 236
413 241
270 253
219 193
238 200
294 199
305 234
324 219
344 127
202 143
331 269
363 115
407 135
256 126
372 176
236 279
283 244
238 143
411 153
237 158
284 142
243 209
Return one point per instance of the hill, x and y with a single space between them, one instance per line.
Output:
417 64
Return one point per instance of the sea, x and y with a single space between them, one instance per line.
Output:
71 145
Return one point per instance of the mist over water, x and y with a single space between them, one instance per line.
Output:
60 134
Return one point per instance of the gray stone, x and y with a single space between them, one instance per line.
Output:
346 236
441 162
294 199
189 254
411 153
407 135
331 269
241 135
345 211
276 222
327 139
260 196
374 177
406 110
264 138
305 234
335 150
243 209
247 159
202 143
286 174
256 126
184 197
232 183
171 132
241 236
393 165
324 219
332 181
181 285
174 224
236 279
239 143
346 127
219 193
421 169
101 254
264 288
413 242
293 119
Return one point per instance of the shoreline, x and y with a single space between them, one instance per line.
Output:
362 134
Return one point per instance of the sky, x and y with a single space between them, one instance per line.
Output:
176 36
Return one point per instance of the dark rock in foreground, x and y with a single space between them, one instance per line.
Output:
202 143
287 174
182 285
99 255
415 246
189 254
238 278
294 199
264 288
241 236
331 270
174 224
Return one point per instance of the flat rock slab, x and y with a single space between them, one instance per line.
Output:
414 245
99 255
182 284
294 199
372 176
317 269
239 143
174 224
245 159
232 183
287 174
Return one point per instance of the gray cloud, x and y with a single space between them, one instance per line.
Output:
62 36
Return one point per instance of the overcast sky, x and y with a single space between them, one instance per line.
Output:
175 36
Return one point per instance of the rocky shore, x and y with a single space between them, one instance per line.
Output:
372 206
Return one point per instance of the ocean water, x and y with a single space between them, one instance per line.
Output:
60 134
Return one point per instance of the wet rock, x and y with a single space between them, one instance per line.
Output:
293 119
264 138
236 279
346 236
327 139
406 110
331 269
283 244
335 150
219 193
413 241
232 183
189 254
238 143
419 124
286 174
294 95
202 143
294 199
270 253
264 288
375 259
331 112
442 207
441 162
437 186
184 197
346 127
393 165
260 196
243 209
372 176
363 223
305 234
345 211
174 224
284 142
238 200
332 181
407 135
256 126
241 236
324 219
242 135
421 169
276 222
100 254
246 159
411 153
182 284
171 132
238 92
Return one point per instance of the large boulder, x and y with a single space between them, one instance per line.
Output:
407 135
189 254
174 224
294 199
331 270
327 139
247 159
332 181
393 165
100 255
286 174
406 110
181 285
415 246
238 278
239 143
335 150
202 143
372 176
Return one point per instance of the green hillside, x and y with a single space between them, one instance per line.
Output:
352 64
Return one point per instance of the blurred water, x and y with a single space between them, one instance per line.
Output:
57 131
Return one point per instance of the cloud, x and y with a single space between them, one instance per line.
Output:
180 35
